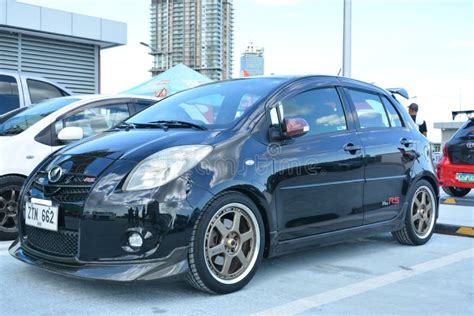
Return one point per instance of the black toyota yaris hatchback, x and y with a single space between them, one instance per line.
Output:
207 182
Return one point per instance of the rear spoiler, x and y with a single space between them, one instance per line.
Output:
399 91
468 113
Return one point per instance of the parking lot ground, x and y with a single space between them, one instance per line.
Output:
456 215
373 275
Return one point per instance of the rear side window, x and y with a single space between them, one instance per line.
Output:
40 91
9 96
321 108
393 115
370 110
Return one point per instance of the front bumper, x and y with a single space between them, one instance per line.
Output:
175 265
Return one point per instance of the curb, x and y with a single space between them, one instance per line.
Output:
456 201
455 230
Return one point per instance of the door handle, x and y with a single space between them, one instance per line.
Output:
351 148
406 142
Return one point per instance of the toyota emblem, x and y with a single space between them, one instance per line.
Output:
55 174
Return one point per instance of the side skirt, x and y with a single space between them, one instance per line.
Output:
298 244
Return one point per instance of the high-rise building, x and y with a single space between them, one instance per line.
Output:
252 62
197 33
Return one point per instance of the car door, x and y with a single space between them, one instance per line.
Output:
389 154
318 177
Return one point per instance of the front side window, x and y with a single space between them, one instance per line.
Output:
321 108
217 105
9 96
94 120
40 91
28 116
370 110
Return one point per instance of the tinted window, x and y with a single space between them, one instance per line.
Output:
217 105
393 115
95 119
28 116
370 109
40 91
321 108
140 105
9 98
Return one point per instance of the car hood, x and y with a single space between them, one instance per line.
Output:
136 144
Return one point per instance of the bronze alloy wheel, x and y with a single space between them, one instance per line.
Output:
231 243
423 212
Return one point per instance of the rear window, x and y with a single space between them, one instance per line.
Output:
24 119
40 91
466 130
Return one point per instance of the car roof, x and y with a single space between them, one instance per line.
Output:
342 80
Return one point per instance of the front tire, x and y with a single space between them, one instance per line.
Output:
420 218
9 193
227 244
455 191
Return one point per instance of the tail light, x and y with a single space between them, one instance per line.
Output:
445 152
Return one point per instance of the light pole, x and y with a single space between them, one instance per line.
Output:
347 39
149 46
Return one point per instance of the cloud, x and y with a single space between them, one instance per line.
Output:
277 2
461 44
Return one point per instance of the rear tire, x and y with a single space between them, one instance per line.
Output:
457 192
420 218
226 245
9 193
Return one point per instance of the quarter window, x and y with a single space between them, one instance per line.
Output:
321 108
370 110
40 91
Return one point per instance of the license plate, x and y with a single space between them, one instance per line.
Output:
41 214
465 177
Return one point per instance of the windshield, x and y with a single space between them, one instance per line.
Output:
213 106
28 116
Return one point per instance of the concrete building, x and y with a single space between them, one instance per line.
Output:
61 46
252 62
197 33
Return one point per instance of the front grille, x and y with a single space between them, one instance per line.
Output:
60 243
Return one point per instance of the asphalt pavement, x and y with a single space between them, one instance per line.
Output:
373 275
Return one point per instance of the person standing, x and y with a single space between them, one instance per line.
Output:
413 111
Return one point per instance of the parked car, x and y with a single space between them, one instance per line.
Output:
456 167
18 89
29 134
208 181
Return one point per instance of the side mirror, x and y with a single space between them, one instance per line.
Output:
295 127
70 133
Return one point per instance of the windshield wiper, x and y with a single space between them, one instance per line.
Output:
129 126
175 123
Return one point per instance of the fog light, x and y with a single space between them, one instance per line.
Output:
135 240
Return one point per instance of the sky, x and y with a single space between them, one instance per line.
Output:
425 46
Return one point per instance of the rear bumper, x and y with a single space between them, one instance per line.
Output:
173 266
447 174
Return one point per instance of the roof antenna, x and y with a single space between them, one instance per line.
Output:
339 73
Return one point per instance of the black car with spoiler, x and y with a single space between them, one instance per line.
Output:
207 182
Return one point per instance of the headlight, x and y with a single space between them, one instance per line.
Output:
165 166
